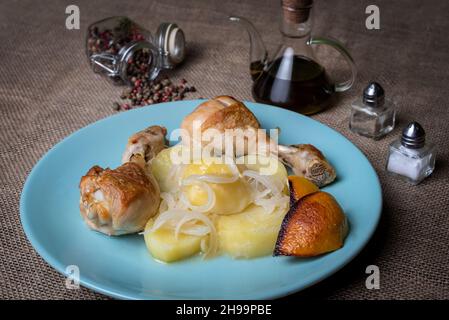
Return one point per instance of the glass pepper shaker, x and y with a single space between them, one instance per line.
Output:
410 157
116 46
372 116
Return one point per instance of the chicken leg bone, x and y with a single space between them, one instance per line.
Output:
307 161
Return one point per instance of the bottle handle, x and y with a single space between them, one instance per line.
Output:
345 85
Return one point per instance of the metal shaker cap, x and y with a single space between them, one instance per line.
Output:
171 42
374 95
413 136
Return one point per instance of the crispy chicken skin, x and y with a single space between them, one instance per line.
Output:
118 201
222 112
218 114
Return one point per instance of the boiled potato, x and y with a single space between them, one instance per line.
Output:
163 245
250 234
230 197
266 166
161 166
244 230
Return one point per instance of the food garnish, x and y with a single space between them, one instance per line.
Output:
315 223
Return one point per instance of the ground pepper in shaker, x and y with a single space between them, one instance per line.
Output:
372 116
410 157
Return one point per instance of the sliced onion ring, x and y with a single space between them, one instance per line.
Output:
211 198
275 185
181 217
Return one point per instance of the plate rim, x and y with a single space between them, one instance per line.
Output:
111 292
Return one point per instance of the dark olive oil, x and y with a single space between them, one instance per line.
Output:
296 83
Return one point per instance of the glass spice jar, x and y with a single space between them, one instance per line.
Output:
410 157
373 115
123 50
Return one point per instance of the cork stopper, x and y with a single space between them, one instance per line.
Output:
296 11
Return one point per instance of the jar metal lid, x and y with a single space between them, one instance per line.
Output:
170 41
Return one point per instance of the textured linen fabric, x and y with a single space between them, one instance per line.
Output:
47 91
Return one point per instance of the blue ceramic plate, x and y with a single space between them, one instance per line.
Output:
121 266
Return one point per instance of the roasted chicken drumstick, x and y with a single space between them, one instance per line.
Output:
224 112
118 201
121 200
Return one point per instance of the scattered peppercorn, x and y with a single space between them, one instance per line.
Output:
145 92
116 106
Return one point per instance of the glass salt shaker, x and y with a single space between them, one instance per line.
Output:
116 46
410 157
372 116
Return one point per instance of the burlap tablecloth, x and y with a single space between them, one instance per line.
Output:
47 91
